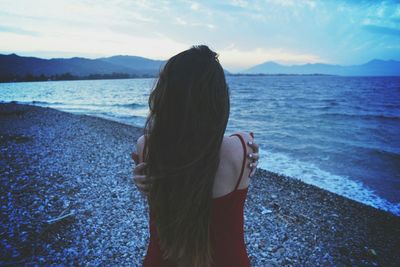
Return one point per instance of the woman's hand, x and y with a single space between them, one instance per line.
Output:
142 182
254 156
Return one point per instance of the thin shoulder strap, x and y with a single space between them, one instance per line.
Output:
244 159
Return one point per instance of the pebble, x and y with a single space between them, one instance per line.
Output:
265 211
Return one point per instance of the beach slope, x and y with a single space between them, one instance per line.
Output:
67 197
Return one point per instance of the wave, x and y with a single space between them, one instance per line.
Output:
392 106
39 103
330 102
362 116
128 105
383 153
312 174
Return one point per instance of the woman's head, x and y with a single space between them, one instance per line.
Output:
191 96
189 110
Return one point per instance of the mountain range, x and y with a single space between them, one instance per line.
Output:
137 66
15 68
374 67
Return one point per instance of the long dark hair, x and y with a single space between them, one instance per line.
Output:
189 111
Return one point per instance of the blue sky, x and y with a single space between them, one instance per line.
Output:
244 33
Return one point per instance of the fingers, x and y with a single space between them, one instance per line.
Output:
135 157
253 167
142 179
253 172
139 168
143 183
143 188
253 156
253 145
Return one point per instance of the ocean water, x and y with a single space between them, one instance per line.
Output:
338 133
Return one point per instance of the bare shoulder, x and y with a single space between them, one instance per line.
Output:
232 147
230 166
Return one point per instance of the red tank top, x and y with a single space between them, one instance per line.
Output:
226 229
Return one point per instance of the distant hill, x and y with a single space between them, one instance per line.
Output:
139 65
374 67
18 67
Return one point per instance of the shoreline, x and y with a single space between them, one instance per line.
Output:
70 200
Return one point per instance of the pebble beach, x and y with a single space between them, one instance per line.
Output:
67 198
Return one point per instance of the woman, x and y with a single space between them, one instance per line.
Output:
196 178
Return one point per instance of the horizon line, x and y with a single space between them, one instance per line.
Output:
237 72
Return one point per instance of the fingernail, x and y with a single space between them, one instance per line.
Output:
250 143
251 165
250 155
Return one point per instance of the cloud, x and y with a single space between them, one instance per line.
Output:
238 3
281 2
194 6
382 30
180 21
16 30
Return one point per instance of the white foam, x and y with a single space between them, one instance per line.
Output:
311 174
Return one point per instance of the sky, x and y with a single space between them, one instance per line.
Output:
243 33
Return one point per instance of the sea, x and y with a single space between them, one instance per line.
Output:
341 134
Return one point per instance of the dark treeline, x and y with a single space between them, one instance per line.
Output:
67 77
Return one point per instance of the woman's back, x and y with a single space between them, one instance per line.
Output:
226 215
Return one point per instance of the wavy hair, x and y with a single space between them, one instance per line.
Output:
189 110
